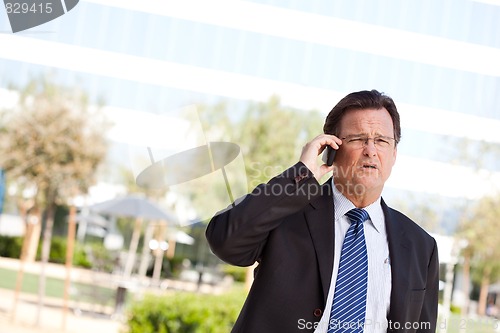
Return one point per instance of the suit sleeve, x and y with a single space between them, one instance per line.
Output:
429 313
239 234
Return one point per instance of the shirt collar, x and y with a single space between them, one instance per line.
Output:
342 205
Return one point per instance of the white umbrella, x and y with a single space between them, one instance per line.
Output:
139 207
181 237
91 219
134 206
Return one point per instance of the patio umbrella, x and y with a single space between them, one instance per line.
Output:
90 223
180 237
140 208
134 206
91 219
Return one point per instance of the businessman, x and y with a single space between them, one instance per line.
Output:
333 257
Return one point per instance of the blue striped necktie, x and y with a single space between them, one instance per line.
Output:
349 300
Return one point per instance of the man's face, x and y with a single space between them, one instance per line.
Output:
363 166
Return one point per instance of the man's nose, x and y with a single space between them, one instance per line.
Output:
369 148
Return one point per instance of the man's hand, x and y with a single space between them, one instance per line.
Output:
313 149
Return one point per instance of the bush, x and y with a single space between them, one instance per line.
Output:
10 247
185 313
80 258
102 259
57 250
238 273
99 257
455 309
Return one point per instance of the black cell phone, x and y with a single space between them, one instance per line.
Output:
329 155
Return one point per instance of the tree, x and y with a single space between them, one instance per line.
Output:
52 143
476 225
270 137
483 252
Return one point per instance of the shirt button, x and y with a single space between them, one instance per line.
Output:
318 313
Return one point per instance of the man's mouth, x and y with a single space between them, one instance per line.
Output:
369 166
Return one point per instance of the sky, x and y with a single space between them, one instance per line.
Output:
439 61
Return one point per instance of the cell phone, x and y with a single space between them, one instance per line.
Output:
329 155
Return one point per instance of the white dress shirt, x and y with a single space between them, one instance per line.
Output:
379 270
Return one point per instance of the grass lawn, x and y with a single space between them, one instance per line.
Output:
55 288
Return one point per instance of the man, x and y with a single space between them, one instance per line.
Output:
295 229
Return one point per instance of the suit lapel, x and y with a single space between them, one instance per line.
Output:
320 223
400 253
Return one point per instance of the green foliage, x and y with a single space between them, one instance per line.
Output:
270 137
58 250
93 255
10 247
238 273
482 243
175 265
45 141
185 313
455 309
101 259
80 257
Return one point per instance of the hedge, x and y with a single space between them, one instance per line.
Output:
238 273
10 247
183 312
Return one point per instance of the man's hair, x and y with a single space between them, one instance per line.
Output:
362 100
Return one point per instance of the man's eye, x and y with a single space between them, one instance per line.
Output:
355 140
381 141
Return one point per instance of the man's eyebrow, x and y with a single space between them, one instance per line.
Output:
368 135
357 134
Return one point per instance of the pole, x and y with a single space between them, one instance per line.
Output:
159 253
134 242
69 260
145 250
28 234
20 273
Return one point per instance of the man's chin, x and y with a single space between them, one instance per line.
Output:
367 183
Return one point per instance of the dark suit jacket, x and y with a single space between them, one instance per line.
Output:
287 226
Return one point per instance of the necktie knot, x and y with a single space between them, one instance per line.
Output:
357 215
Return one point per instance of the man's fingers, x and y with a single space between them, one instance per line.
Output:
324 140
316 147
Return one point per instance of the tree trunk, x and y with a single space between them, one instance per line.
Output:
47 239
466 283
483 294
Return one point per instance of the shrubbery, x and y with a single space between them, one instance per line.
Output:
238 273
10 247
455 309
58 246
185 313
